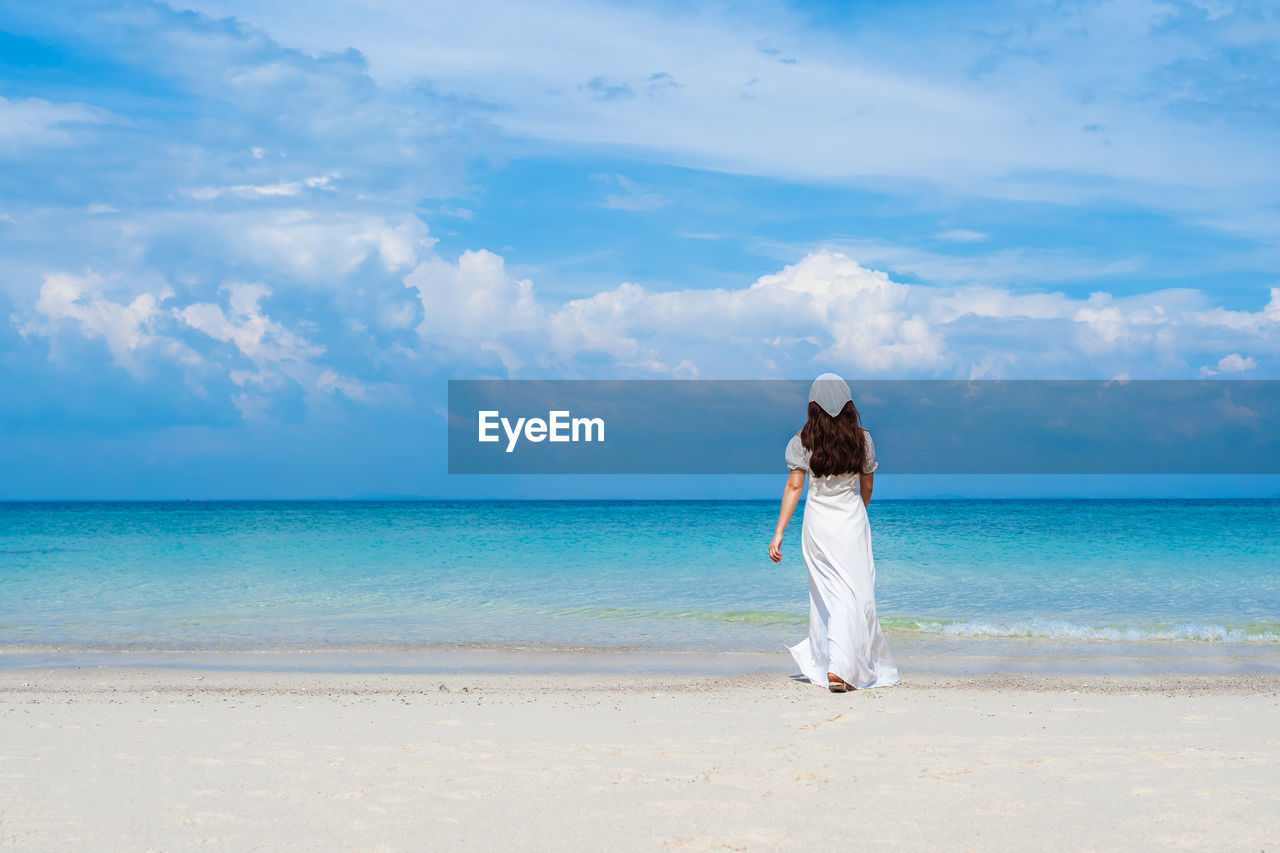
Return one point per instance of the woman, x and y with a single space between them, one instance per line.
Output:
846 648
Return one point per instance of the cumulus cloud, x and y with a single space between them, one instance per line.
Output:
146 330
829 310
1000 266
474 306
127 327
282 252
1245 322
475 317
277 354
244 324
1233 363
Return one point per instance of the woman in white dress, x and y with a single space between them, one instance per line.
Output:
846 648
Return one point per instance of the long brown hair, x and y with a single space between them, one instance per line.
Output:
836 445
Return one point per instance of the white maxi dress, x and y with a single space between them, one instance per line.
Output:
844 632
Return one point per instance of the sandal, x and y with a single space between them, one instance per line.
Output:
835 684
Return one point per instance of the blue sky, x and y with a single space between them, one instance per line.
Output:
244 244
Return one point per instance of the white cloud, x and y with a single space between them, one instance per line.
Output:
825 310
331 380
244 325
1244 322
127 327
1233 363
1012 126
313 245
283 188
276 352
142 331
1094 100
998 266
316 244
474 305
36 122
963 235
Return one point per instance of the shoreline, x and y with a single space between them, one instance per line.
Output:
197 682
918 657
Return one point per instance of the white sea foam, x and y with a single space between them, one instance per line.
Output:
1056 629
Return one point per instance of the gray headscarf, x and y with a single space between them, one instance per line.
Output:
830 392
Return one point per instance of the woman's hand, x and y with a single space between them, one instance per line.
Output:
790 497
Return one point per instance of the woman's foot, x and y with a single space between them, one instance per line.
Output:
836 684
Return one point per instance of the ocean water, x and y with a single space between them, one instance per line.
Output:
617 574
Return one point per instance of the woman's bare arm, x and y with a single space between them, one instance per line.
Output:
790 497
864 486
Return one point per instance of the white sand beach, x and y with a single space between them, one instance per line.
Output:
166 759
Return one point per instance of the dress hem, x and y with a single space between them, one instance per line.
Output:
810 670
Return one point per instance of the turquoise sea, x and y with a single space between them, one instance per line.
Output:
680 575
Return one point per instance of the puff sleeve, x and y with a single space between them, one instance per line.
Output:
870 464
797 456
